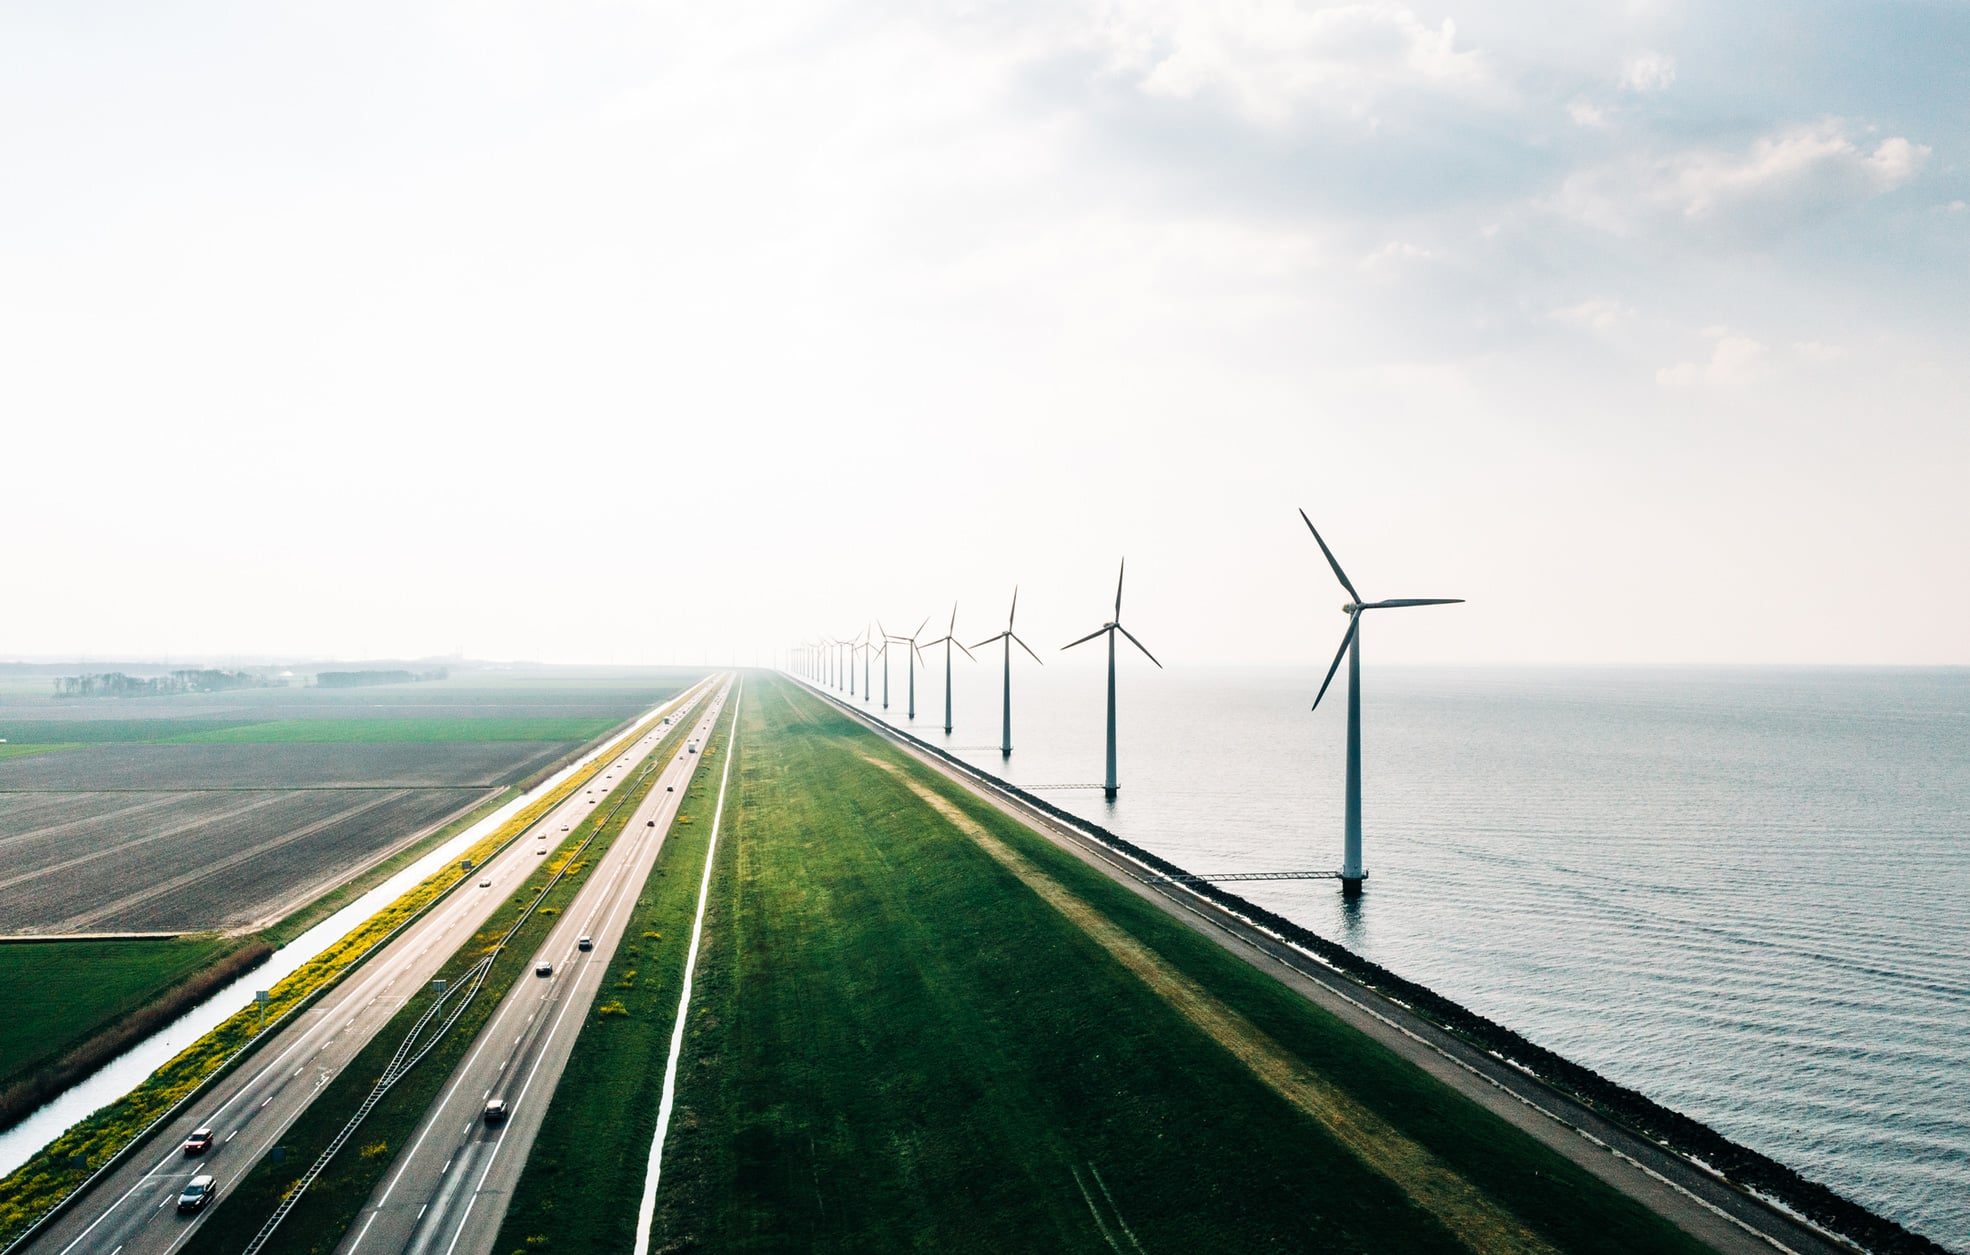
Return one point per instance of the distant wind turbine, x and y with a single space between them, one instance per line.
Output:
1111 627
947 640
1352 872
883 636
911 656
1005 727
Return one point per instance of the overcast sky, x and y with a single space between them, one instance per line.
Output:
641 332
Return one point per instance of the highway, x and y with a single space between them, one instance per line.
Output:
447 1191
131 1210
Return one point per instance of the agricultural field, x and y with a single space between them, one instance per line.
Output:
196 812
920 1025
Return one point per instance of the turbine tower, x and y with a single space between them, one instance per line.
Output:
1352 871
883 636
912 655
1111 627
947 640
868 647
1005 727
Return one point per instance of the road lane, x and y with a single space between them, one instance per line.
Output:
448 1191
131 1209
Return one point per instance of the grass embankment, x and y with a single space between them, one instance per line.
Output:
92 998
318 1222
584 1175
921 1025
66 1162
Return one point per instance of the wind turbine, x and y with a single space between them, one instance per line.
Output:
883 636
868 648
912 654
1005 728
947 640
1111 627
1352 872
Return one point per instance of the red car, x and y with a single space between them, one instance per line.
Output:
199 1142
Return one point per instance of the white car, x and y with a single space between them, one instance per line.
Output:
543 969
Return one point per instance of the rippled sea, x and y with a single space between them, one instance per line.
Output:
1744 892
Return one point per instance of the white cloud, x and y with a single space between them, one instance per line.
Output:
1271 58
1649 72
1396 252
1584 112
1791 174
1597 313
1734 359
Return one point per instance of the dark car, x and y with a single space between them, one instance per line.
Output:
496 1111
543 969
198 1193
585 943
199 1142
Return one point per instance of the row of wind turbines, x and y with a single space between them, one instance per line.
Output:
830 662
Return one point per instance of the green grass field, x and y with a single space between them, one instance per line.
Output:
75 987
16 750
919 1025
584 1176
373 731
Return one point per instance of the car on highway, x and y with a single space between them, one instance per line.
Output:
670 788
485 884
198 1143
198 1193
585 943
564 827
543 969
650 823
495 1111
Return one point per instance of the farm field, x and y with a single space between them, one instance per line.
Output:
919 1025
223 811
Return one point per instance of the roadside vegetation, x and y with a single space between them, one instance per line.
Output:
67 1161
318 1222
584 1176
920 1025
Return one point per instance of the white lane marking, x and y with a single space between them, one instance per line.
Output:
230 1136
646 1210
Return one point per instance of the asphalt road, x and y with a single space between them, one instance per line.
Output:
132 1210
1694 1199
447 1191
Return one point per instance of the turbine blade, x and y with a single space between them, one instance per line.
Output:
961 649
1090 636
1138 644
1346 639
920 628
1340 574
988 640
954 617
1015 608
1397 602
882 629
1120 572
1028 648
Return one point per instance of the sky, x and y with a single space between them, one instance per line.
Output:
619 332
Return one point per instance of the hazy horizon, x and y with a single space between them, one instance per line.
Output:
620 333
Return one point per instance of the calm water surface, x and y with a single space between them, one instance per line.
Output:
1745 893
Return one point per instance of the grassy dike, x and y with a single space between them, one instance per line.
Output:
56 1170
318 1222
584 1175
920 1025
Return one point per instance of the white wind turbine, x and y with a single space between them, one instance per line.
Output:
1110 628
1005 727
947 640
1352 871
